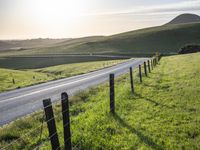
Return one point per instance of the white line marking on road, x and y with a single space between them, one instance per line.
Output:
61 85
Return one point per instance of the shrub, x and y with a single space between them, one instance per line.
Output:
189 49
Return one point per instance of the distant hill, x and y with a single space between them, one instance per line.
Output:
166 39
27 44
185 18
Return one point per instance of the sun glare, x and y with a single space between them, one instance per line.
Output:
62 11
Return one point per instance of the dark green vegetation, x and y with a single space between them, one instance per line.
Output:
189 49
164 113
11 79
41 62
167 39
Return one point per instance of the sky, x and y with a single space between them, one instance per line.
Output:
26 19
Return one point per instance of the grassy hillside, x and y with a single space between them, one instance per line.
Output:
185 18
29 77
35 50
27 44
166 39
164 113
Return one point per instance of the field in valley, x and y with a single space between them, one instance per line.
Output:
34 62
29 77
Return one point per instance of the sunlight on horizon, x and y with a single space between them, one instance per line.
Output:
23 19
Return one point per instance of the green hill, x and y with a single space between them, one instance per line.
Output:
6 45
185 18
167 39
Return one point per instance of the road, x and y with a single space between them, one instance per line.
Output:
20 102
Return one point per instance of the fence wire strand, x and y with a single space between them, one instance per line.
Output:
90 107
22 137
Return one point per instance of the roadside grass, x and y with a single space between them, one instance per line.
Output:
24 78
77 68
21 78
163 113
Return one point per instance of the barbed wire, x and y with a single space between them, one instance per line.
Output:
20 138
75 146
56 116
39 127
41 131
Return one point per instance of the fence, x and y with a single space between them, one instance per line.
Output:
51 129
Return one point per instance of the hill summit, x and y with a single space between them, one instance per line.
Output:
185 18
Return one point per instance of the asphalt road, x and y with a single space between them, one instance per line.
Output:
20 102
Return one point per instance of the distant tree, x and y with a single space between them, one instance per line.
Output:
189 49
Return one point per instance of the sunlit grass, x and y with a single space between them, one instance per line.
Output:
11 79
163 113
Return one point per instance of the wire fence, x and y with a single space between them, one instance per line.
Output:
43 140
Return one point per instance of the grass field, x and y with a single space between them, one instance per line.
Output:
164 113
21 78
77 68
167 39
24 78
41 62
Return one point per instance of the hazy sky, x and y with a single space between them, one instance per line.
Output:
22 19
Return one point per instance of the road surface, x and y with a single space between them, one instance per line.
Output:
20 102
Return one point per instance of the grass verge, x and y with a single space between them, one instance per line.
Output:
12 79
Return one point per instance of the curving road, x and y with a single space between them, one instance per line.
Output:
20 102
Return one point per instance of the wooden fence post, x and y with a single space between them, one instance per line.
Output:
53 136
145 69
149 66
159 57
112 94
140 73
13 80
131 79
156 59
66 121
152 64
